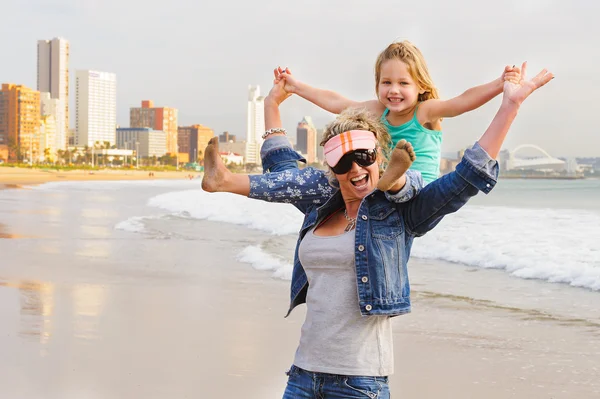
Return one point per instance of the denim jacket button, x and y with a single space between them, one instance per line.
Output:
368 308
364 279
488 185
361 248
364 217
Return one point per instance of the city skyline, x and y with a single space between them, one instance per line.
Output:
464 43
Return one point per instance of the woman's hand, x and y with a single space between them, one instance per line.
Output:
278 94
517 90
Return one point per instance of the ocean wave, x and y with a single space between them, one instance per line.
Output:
134 224
555 245
261 260
277 219
559 246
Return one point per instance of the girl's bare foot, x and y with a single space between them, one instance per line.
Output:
402 157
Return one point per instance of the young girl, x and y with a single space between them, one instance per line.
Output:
407 101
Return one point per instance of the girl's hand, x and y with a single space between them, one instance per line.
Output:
515 92
278 94
285 74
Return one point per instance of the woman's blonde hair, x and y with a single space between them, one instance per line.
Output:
408 53
359 119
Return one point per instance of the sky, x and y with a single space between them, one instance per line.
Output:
200 56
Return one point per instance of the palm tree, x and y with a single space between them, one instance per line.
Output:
60 154
14 149
87 154
47 155
67 156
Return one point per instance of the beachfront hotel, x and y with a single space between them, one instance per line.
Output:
158 118
53 78
148 142
255 125
192 139
19 121
95 107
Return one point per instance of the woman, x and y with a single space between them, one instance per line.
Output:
350 264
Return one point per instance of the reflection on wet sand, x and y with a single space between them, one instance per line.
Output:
88 304
94 248
36 306
13 186
5 234
38 319
95 213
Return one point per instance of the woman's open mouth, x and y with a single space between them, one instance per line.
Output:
360 181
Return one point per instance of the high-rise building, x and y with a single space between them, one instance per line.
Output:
161 118
255 126
20 121
148 142
192 140
53 78
306 139
71 134
54 107
95 107
226 137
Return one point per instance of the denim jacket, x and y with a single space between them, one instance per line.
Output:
385 228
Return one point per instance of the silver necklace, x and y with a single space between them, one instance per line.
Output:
351 221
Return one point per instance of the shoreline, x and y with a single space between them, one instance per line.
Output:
11 178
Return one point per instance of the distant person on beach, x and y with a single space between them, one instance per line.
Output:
350 263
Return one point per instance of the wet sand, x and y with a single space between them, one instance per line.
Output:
93 312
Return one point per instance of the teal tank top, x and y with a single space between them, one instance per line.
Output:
427 144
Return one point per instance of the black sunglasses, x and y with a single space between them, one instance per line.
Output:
361 157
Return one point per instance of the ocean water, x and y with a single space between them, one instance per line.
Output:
530 229
527 237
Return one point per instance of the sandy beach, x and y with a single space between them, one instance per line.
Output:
14 177
92 310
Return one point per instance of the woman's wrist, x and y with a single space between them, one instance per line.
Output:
509 105
272 102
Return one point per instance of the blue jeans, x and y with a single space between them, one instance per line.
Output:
304 384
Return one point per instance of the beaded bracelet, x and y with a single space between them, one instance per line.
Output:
274 130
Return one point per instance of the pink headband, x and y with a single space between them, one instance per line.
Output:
343 143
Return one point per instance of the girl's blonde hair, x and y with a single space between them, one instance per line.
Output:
408 53
358 119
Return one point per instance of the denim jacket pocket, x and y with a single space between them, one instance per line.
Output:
386 224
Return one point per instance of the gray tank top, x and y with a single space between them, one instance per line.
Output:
335 337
